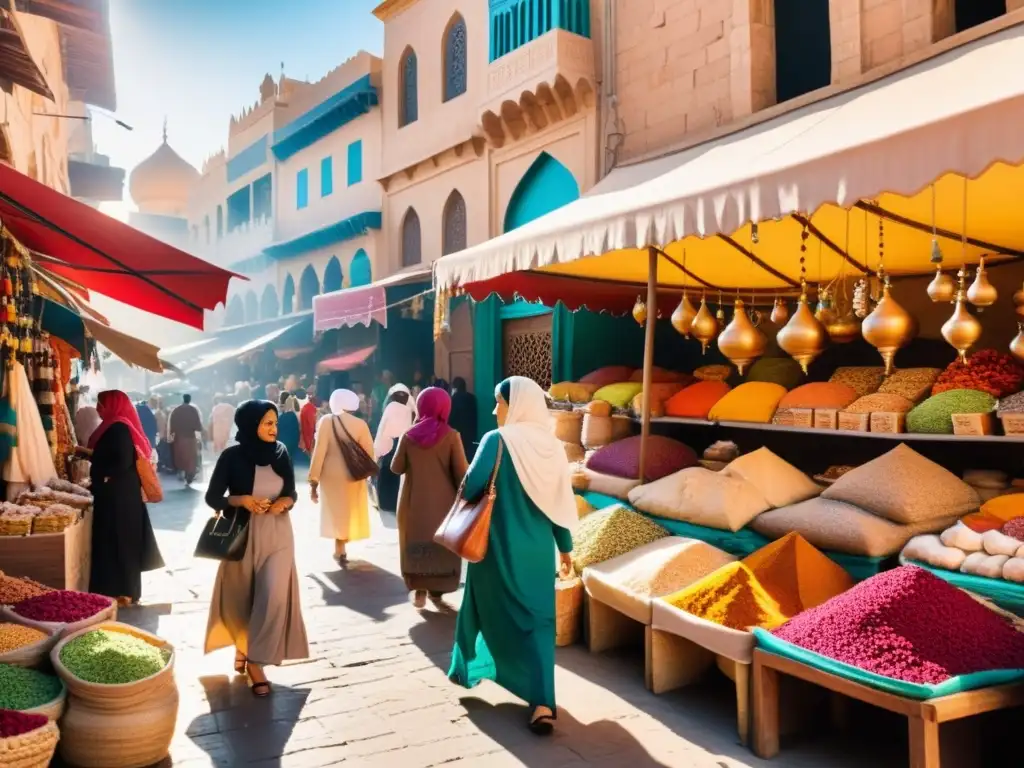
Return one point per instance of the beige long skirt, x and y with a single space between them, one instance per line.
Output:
256 605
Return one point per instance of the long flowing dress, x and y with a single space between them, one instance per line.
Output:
256 604
430 479
397 419
222 417
123 543
506 626
464 419
344 503
186 426
288 433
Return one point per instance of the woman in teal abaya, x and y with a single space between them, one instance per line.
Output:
506 626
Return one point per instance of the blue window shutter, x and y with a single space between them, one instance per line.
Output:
302 189
326 176
355 162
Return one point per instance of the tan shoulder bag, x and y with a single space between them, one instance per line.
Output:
467 527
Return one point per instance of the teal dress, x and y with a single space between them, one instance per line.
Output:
506 626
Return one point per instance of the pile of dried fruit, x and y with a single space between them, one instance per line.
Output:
935 415
986 371
14 590
22 688
112 658
62 606
14 723
15 636
910 625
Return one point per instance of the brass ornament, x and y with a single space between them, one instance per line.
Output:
803 338
640 311
1017 345
741 342
720 316
682 317
962 330
982 293
780 312
704 327
844 329
888 328
942 288
825 313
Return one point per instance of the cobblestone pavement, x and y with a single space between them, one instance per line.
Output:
375 692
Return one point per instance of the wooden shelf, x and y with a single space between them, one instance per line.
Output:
892 436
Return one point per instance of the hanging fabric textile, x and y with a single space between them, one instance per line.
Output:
31 461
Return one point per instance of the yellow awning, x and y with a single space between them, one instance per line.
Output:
875 150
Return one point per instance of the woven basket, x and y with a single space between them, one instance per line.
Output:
116 698
568 426
597 431
51 709
137 737
33 655
61 630
30 750
568 611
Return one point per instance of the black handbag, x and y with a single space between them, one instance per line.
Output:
225 536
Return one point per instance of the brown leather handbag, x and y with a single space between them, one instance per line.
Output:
467 527
360 464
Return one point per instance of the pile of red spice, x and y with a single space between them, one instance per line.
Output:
909 625
1015 528
62 606
986 371
14 723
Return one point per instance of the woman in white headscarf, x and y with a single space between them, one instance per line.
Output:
506 626
398 416
345 507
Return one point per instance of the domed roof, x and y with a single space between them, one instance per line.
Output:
163 177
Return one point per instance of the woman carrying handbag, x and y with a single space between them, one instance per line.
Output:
341 463
255 605
506 626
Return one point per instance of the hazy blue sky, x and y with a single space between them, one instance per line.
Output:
200 61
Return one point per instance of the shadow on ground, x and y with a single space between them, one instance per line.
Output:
145 617
434 636
362 587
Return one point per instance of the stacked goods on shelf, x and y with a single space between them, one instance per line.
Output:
754 401
862 379
66 486
16 519
23 646
14 590
797 407
696 400
26 741
935 415
915 384
777 370
987 370
1011 413
614 469
122 696
62 610
611 532
45 496
875 509
906 632
596 428
30 691
713 373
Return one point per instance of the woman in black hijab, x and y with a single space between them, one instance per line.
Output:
464 416
255 605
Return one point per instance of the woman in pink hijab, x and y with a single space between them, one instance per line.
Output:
431 463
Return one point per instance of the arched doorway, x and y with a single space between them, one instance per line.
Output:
360 272
288 297
309 286
332 276
546 186
236 312
252 307
269 306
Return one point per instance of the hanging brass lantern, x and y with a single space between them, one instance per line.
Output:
1017 345
844 329
741 342
825 313
803 337
962 330
982 293
705 326
720 316
640 311
780 312
682 317
942 288
888 328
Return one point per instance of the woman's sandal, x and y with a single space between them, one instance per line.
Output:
240 663
260 690
542 725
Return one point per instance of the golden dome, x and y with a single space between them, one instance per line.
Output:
163 181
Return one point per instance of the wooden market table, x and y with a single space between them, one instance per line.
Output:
58 560
923 717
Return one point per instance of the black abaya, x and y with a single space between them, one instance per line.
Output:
123 543
387 483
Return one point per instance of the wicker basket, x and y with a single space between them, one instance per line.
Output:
61 630
30 750
568 426
568 611
33 655
51 709
597 431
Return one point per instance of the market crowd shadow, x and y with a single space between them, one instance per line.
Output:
434 636
362 587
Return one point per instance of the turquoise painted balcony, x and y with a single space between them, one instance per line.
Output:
514 23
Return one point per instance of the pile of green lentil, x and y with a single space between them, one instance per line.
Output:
22 688
112 658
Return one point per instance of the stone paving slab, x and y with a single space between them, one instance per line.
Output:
375 693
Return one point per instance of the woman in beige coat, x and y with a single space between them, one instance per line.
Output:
345 511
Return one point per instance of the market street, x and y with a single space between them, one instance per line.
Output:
375 692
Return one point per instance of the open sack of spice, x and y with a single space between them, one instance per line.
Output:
907 632
14 590
26 739
61 610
